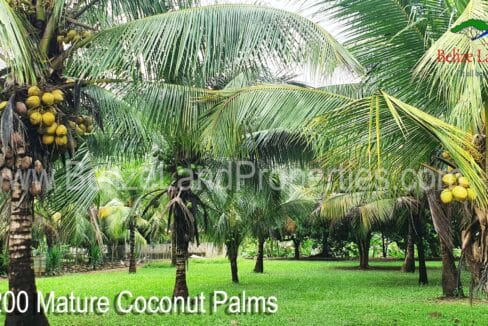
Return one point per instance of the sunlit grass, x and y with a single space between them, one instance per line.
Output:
309 293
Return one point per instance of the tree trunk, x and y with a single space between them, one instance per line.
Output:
182 243
296 244
409 263
384 247
259 267
232 253
325 244
364 244
442 224
419 236
132 246
20 273
450 286
181 289
173 245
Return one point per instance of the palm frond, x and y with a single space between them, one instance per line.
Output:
462 84
16 48
194 45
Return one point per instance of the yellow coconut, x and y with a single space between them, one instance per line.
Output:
61 130
51 130
47 139
462 181
446 196
104 212
449 179
459 193
71 34
33 102
61 141
48 98
48 118
471 194
34 91
56 217
58 96
3 105
446 155
35 118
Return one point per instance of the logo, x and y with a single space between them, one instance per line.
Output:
475 29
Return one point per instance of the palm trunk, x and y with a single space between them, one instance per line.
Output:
132 245
364 244
384 247
442 222
419 232
173 245
409 263
296 244
182 243
259 267
450 286
181 289
20 273
232 253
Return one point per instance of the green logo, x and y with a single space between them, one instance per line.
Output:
475 29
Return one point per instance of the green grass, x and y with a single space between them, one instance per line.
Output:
309 293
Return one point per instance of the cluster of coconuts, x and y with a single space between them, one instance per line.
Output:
72 36
186 172
41 109
456 188
14 161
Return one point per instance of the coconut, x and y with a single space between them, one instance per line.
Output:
3 105
460 193
462 181
61 141
449 179
26 162
47 139
48 98
38 166
58 96
471 194
34 91
48 118
20 108
6 186
446 196
35 118
51 130
61 130
71 34
56 217
33 102
6 174
36 188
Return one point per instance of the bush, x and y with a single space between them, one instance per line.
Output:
95 256
54 259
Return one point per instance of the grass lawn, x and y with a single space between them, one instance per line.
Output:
309 293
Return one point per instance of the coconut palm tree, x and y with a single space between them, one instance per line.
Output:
394 122
76 46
